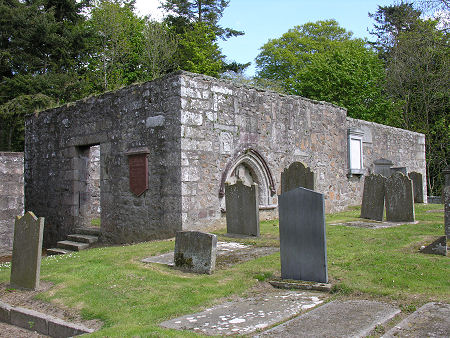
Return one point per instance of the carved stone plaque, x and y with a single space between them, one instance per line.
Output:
138 168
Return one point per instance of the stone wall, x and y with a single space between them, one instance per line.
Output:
58 142
11 197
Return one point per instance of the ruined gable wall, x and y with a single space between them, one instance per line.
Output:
144 115
11 197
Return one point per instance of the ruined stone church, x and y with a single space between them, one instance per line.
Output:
167 147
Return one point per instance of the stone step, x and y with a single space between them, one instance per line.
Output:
82 238
91 231
70 245
57 251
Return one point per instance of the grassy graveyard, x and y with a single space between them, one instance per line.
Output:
131 298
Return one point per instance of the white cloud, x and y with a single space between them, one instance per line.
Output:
150 8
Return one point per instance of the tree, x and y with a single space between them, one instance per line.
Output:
321 61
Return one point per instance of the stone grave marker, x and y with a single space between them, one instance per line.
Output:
295 176
372 206
399 169
417 186
27 250
303 249
242 209
195 251
446 194
399 198
383 166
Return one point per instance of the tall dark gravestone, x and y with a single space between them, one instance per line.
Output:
242 209
446 194
372 206
417 186
303 248
399 198
295 176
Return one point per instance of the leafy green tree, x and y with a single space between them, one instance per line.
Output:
321 61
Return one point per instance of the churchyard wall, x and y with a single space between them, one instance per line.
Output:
11 197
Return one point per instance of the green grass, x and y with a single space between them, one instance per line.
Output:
132 298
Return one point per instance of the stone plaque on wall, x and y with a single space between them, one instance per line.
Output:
138 170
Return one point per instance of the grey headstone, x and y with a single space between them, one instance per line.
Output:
372 206
399 169
383 167
303 249
242 209
195 251
399 198
446 194
417 186
295 176
27 250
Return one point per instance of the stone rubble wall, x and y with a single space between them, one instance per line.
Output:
221 120
57 142
11 197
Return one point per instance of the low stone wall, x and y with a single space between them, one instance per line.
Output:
11 197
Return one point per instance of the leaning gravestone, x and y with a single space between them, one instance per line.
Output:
303 249
195 251
27 250
295 176
417 186
242 209
372 206
399 198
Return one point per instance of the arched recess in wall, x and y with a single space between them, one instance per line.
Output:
250 167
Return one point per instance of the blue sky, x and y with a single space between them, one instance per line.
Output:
262 20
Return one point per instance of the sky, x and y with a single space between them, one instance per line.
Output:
262 20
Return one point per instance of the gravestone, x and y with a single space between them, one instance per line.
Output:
446 194
399 169
195 251
242 209
27 250
417 186
372 206
383 166
303 249
399 198
295 176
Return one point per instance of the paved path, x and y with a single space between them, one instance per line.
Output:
248 315
431 320
354 318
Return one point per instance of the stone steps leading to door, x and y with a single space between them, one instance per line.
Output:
80 240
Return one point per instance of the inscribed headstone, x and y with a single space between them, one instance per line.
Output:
446 194
399 198
295 176
383 166
303 249
242 209
417 186
27 249
372 206
195 251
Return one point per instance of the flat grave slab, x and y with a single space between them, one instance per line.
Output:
224 250
355 318
373 224
431 320
247 315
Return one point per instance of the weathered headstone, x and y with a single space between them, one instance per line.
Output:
295 176
399 169
27 250
242 209
195 251
446 194
417 186
399 198
372 206
303 249
383 166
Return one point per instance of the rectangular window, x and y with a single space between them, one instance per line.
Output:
355 152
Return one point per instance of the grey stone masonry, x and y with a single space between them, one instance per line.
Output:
417 186
372 206
201 132
295 176
446 194
399 198
27 250
242 209
195 251
11 197
303 248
